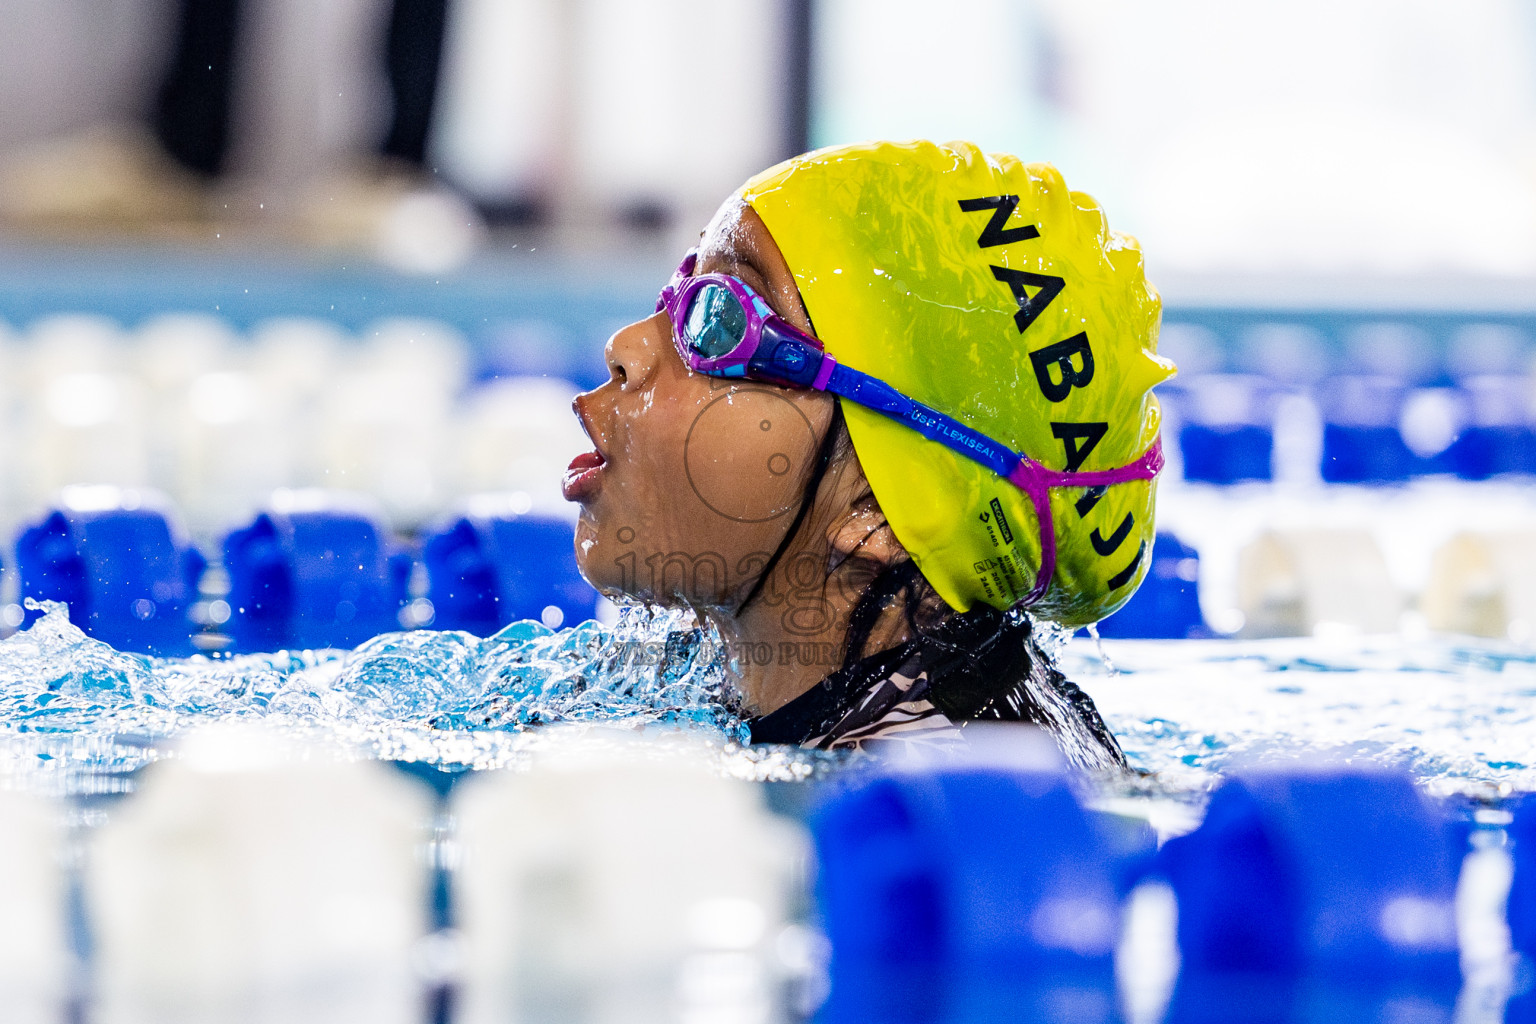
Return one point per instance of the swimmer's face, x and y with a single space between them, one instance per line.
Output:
695 480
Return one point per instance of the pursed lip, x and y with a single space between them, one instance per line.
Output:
582 476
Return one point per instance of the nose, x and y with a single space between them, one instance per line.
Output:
633 353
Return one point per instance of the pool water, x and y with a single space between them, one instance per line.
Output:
78 716
1458 713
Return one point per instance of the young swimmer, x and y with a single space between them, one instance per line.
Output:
894 407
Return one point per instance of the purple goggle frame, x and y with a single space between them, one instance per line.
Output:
745 339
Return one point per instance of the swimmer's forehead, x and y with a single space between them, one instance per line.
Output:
737 242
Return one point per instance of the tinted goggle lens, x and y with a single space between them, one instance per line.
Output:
715 322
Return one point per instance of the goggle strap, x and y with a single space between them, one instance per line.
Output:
824 373
1020 470
1036 481
1145 468
873 393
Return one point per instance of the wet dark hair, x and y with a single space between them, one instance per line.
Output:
982 664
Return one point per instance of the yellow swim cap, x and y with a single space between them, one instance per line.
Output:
984 288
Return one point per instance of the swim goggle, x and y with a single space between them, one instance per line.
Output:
722 328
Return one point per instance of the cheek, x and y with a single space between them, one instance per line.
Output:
708 483
745 456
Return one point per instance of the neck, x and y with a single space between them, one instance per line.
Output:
774 656
791 638
785 637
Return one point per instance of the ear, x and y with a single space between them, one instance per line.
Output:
863 534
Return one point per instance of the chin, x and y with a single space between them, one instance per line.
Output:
599 564
589 555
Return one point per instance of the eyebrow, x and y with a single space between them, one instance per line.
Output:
738 260
758 279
